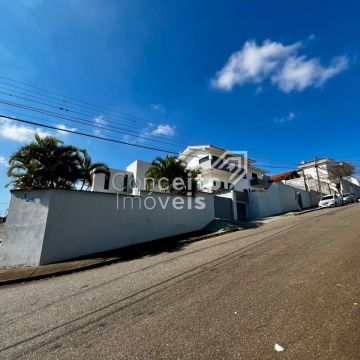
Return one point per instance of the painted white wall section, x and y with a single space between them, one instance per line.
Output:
57 225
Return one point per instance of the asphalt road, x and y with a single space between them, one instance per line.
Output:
294 282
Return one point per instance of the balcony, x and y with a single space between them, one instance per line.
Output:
216 164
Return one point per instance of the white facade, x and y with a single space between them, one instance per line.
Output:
114 182
214 176
316 176
138 169
122 181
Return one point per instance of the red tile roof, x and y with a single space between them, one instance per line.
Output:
282 176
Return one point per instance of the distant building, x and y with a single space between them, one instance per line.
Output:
315 175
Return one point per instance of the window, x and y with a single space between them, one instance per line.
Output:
206 158
254 176
107 181
125 186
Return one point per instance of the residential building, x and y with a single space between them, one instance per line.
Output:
315 175
222 170
229 175
129 181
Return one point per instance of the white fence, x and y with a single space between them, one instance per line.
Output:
48 226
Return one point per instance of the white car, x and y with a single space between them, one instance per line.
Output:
348 198
330 200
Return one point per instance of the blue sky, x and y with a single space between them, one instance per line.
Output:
279 80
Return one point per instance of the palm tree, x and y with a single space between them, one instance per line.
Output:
48 163
88 169
165 171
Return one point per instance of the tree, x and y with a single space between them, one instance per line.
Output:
88 169
47 163
337 172
171 175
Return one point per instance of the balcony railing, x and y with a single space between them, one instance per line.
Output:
205 164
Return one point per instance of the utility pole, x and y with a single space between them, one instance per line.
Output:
317 174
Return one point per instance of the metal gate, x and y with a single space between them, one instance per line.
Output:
223 208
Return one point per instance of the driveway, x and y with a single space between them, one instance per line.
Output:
294 282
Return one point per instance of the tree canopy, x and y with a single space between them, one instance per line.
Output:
337 172
47 163
169 174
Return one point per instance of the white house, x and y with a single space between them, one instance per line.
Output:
318 172
126 181
223 170
229 175
315 175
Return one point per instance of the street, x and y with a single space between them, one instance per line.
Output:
293 282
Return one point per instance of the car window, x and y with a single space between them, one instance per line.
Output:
328 197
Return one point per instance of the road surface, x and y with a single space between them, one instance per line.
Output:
294 282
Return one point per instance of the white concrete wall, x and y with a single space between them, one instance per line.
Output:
278 198
60 225
349 187
25 228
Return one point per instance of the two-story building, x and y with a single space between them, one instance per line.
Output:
227 174
318 175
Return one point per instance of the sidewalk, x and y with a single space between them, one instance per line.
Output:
15 275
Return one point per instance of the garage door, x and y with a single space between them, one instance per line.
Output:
223 208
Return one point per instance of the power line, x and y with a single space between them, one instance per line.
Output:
76 102
98 137
59 105
120 132
73 99
85 134
84 104
75 132
84 122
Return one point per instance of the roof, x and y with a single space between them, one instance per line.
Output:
312 163
282 176
215 150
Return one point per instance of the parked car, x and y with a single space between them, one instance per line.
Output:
330 200
348 198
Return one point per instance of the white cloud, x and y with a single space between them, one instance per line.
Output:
167 130
298 73
287 118
19 133
3 161
63 127
99 121
280 63
157 107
